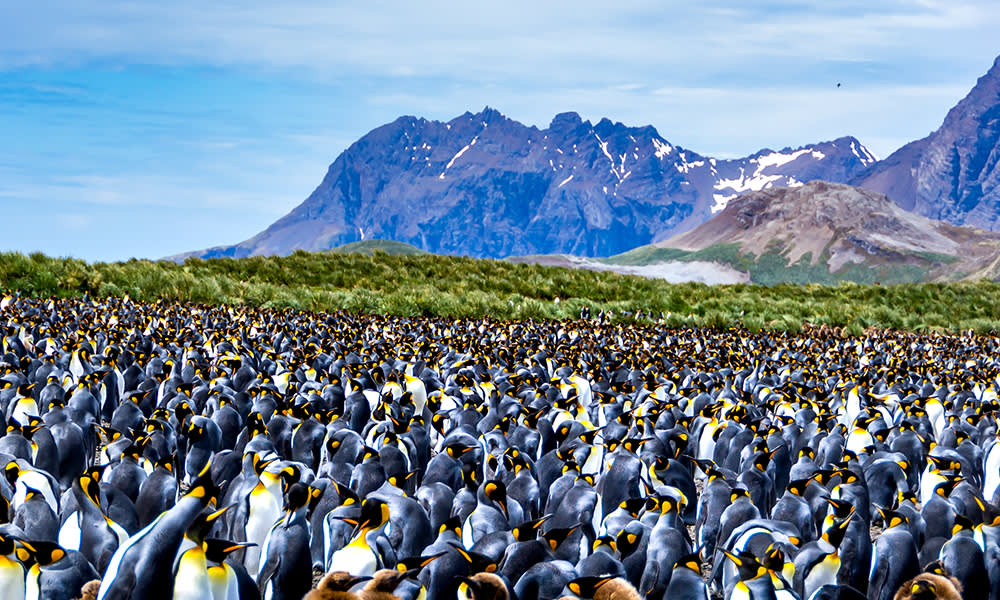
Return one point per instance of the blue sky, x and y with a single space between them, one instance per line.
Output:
147 129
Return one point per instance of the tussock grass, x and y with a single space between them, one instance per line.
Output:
414 285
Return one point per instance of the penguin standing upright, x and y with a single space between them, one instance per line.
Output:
141 568
228 580
894 559
286 563
686 582
262 508
358 557
56 573
11 570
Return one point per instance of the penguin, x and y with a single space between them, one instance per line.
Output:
88 528
191 579
262 508
754 580
35 518
928 586
963 559
336 586
741 509
894 558
686 582
668 543
483 586
603 588
56 573
792 508
142 567
383 584
157 493
358 557
11 570
492 513
286 563
227 580
819 563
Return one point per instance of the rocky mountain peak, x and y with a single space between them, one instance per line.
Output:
485 185
954 173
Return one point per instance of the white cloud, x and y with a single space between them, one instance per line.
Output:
523 39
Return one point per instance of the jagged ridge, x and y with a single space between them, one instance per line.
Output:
487 186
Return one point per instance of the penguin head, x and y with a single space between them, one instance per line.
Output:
31 493
841 508
555 537
260 464
411 566
346 494
297 497
387 580
340 581
604 543
203 488
945 487
374 514
529 529
586 587
634 506
737 493
216 550
45 553
203 524
290 474
835 534
12 471
692 562
746 564
962 524
774 557
476 562
891 518
7 545
931 586
484 586
454 525
798 487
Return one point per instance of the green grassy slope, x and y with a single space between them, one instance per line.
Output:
371 246
773 267
453 286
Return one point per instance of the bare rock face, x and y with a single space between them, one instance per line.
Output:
954 173
484 185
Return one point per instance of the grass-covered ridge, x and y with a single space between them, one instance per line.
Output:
773 266
411 285
371 246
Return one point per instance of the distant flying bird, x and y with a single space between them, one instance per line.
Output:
838 84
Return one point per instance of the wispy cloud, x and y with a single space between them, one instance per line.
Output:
520 39
158 121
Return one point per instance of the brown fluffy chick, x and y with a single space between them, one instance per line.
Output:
90 589
604 588
383 584
336 585
928 586
485 586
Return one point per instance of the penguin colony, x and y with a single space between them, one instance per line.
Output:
161 451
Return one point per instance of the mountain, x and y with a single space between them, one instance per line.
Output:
826 232
954 173
484 185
